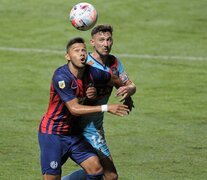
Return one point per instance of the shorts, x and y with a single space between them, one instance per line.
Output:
97 139
55 150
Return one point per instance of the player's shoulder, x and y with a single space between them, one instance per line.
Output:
112 60
61 69
63 72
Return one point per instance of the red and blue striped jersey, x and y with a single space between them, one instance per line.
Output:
65 87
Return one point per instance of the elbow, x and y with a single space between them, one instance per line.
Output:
133 89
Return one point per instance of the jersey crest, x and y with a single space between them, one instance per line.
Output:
61 84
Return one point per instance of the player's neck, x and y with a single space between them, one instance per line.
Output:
99 57
77 72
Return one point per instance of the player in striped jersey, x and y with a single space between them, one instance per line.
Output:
57 138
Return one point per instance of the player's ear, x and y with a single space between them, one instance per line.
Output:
92 41
67 57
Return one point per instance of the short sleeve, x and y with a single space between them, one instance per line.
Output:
63 87
122 73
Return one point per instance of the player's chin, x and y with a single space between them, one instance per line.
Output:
82 65
105 53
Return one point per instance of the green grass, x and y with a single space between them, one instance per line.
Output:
164 137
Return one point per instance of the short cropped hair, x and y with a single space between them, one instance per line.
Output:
73 41
102 28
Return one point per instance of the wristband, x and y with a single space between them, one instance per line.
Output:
104 108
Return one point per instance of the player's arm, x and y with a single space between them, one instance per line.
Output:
128 89
63 84
77 109
115 81
126 92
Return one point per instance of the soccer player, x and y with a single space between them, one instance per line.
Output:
57 139
92 125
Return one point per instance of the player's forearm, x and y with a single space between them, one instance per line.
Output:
132 89
128 89
79 110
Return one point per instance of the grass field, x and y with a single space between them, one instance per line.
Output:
162 45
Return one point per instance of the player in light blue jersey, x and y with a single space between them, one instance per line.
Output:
92 125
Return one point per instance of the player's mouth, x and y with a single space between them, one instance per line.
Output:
106 50
83 60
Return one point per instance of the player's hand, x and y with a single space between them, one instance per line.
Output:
129 102
123 92
91 93
118 109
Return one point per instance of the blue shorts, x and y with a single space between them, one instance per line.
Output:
55 150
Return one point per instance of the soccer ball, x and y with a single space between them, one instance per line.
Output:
83 16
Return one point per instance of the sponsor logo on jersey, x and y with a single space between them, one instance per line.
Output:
90 63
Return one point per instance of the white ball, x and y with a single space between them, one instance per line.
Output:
83 16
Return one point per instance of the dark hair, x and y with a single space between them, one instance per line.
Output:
73 41
102 28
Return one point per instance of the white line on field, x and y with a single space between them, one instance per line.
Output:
31 50
140 56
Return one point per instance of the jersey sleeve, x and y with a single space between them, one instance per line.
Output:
62 86
122 73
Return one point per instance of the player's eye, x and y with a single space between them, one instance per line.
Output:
76 50
83 50
109 39
101 40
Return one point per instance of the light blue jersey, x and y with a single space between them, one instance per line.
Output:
92 125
